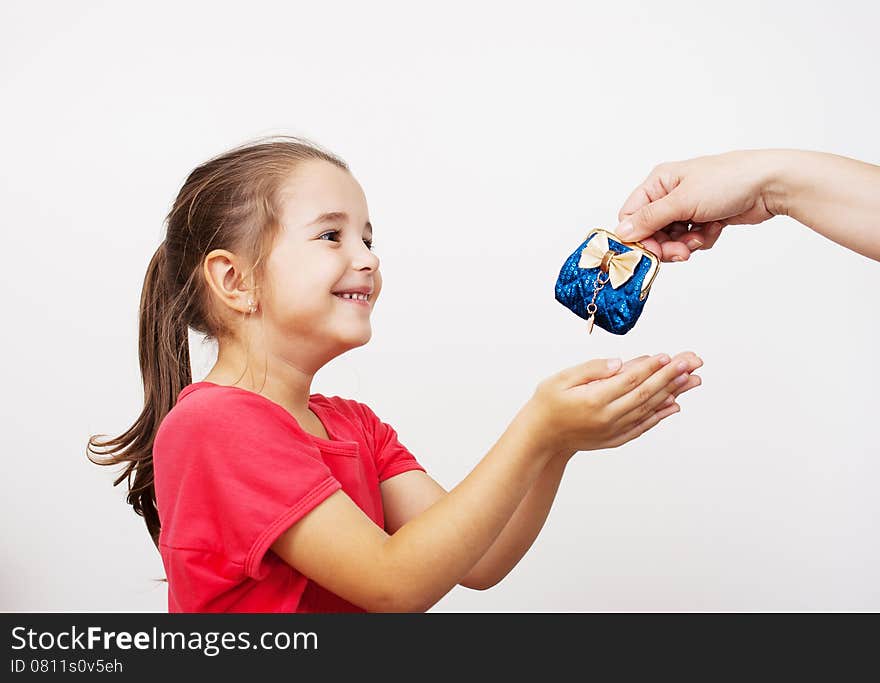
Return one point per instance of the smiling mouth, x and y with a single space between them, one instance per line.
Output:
357 299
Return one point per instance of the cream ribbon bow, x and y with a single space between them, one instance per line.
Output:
620 266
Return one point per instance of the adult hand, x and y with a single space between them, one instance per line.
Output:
683 206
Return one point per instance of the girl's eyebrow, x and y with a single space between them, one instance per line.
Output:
331 216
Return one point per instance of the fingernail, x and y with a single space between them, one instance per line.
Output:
681 379
663 358
669 401
693 245
614 363
682 366
675 258
625 229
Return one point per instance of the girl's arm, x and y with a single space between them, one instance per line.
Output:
411 492
408 494
340 548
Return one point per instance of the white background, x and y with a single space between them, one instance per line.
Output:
489 137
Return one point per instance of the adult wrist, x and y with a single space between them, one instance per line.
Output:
778 179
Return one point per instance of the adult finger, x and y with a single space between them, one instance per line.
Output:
662 180
676 230
636 200
706 236
653 217
653 245
675 251
713 232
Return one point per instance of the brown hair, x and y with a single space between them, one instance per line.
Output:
229 202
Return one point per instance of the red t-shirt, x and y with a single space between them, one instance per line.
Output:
233 470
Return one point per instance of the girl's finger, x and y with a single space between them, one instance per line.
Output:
585 373
627 364
671 409
628 378
633 361
692 383
643 392
644 425
660 400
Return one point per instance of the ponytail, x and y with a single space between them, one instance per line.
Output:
165 368
230 202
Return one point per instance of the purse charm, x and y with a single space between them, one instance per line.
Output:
603 260
591 307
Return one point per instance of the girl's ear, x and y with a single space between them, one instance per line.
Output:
223 272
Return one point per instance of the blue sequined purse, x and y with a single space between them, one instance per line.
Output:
607 281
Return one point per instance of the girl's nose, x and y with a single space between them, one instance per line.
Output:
364 256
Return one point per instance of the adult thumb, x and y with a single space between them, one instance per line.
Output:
651 218
599 368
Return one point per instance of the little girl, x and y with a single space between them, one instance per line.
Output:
264 497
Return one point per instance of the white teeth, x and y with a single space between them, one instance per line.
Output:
362 297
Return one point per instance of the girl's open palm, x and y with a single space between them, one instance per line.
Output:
604 404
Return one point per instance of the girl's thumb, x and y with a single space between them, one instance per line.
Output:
593 369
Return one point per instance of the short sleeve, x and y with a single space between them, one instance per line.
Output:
234 474
390 455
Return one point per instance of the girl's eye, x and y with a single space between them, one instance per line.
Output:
369 243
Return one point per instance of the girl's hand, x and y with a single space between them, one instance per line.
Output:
708 193
604 404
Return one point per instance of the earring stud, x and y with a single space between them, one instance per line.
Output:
252 307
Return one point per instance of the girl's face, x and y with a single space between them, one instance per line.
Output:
322 248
